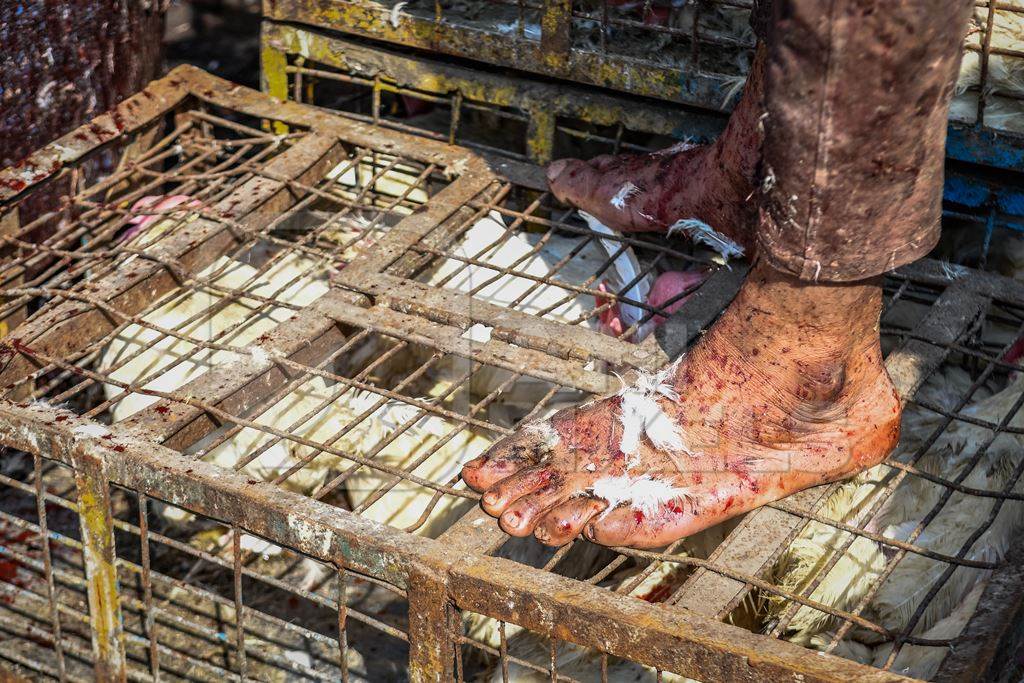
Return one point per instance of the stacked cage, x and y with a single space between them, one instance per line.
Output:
545 80
246 361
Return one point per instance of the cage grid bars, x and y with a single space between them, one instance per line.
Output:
328 534
169 619
434 79
597 118
436 583
939 315
553 55
556 54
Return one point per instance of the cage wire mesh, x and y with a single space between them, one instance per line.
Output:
506 113
691 52
529 119
382 316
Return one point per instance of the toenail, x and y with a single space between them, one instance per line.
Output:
491 498
555 169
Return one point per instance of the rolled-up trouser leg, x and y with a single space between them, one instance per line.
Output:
856 97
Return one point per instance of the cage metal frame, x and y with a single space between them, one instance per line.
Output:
553 54
296 57
454 571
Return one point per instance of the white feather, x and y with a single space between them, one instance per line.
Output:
644 493
628 269
641 414
531 30
702 233
545 431
396 10
627 191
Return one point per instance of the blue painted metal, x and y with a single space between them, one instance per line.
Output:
992 199
986 147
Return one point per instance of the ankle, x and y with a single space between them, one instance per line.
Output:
819 319
805 347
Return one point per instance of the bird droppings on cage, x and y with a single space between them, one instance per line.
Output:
283 399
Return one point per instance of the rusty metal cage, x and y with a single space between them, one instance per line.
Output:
695 53
526 118
514 115
175 504
667 71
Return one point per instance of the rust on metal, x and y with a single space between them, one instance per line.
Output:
665 638
541 102
96 521
195 246
493 352
987 649
637 75
431 647
556 33
515 327
376 297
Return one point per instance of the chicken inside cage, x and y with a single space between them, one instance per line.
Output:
294 395
381 423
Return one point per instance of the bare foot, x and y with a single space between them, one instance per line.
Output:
786 391
650 192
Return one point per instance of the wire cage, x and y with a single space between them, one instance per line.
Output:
245 366
531 119
695 53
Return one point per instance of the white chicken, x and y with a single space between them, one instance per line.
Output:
474 268
393 434
140 354
166 363
1004 82
533 258
923 661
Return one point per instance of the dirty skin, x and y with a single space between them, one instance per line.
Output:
786 391
713 182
